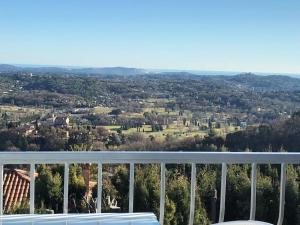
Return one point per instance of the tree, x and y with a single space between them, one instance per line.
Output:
121 183
102 133
116 112
12 140
178 193
114 140
49 188
77 190
238 189
147 188
80 138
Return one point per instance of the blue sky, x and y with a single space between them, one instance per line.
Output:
226 35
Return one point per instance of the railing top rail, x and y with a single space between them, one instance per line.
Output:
149 157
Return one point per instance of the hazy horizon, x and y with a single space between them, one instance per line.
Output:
160 70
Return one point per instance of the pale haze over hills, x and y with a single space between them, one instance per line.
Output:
119 70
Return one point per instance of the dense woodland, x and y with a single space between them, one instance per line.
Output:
242 93
274 127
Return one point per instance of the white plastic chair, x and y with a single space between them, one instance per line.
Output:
16 223
244 222
145 223
50 223
93 222
114 222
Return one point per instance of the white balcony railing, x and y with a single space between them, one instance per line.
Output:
161 158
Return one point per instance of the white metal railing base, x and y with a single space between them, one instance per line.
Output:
87 219
162 158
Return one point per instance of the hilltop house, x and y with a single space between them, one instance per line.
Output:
61 121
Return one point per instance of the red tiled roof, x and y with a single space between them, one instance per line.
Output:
15 188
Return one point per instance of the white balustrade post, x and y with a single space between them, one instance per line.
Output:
99 189
282 194
162 193
66 188
253 191
193 194
32 187
131 187
223 193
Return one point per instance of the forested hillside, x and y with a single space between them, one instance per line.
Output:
248 93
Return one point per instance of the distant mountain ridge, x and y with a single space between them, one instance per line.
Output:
265 83
123 71
49 69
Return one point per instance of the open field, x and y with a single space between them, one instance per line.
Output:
173 130
12 108
102 110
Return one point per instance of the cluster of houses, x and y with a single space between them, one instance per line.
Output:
32 127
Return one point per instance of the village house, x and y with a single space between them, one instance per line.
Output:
61 121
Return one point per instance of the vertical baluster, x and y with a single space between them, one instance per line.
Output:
66 188
1 189
162 193
282 194
193 193
253 192
32 187
223 192
131 187
99 189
